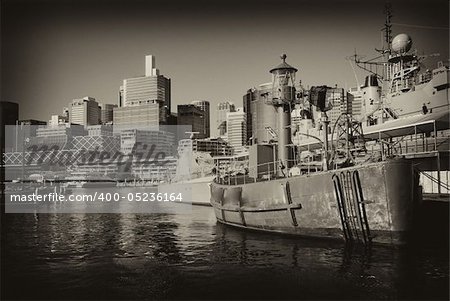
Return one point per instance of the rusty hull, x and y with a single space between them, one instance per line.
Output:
308 205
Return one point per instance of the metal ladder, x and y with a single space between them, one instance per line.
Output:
351 206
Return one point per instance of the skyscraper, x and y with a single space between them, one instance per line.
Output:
58 135
57 120
120 97
106 112
222 109
143 116
192 115
150 88
204 106
355 102
25 131
247 101
237 130
84 111
9 114
66 113
337 98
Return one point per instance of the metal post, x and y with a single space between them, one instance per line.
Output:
435 135
309 160
381 145
23 158
347 135
439 172
325 122
415 138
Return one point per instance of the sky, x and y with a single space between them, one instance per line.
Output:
55 51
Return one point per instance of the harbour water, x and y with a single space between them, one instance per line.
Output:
189 256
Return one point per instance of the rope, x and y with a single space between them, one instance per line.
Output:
421 26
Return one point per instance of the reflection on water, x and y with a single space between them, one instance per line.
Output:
189 256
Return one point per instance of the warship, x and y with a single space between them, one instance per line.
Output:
193 175
357 178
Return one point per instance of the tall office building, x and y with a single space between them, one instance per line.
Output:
84 111
25 131
204 106
120 97
192 115
237 130
57 120
60 135
66 113
144 116
150 88
106 113
134 141
355 102
247 102
172 119
337 98
9 114
222 109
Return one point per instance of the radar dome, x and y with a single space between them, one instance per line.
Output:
401 43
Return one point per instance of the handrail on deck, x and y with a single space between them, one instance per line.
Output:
269 172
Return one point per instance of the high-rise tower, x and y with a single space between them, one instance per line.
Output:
204 106
84 111
151 88
222 109
237 130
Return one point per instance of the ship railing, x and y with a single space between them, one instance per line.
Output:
417 141
409 148
259 173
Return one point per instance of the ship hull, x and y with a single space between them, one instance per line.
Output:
195 192
374 203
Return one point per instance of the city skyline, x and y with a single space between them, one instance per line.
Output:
68 50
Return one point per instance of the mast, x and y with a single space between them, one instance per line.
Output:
386 48
387 25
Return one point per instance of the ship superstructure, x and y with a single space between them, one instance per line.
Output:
397 86
403 110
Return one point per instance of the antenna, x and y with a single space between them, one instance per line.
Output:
388 25
356 59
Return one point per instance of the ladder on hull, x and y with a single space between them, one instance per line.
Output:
351 205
